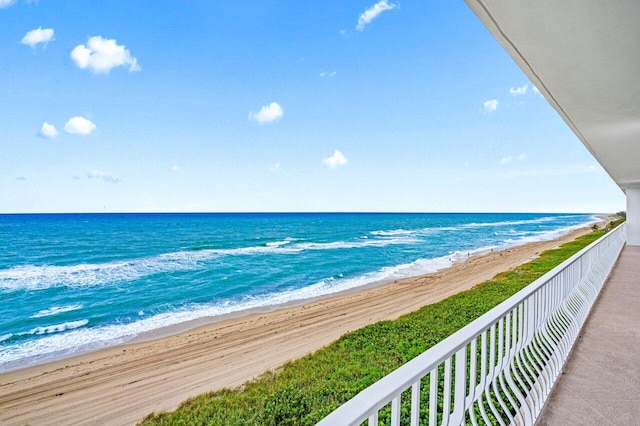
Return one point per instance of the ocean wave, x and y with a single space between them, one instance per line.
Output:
393 232
57 310
76 339
32 277
59 328
543 235
39 277
427 231
420 232
509 222
6 337
277 243
363 242
281 243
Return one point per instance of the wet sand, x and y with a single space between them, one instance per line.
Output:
122 384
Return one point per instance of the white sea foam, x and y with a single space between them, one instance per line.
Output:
58 328
363 242
77 339
57 310
265 249
516 239
276 243
548 235
6 337
427 231
32 277
38 277
280 243
393 232
421 232
509 223
60 344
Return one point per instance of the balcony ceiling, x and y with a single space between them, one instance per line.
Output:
584 57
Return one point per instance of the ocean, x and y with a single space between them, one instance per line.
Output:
72 283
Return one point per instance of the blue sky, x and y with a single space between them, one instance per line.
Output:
161 106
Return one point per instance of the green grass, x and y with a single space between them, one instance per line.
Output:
303 391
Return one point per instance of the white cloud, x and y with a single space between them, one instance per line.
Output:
79 126
510 158
37 36
517 91
327 74
48 131
101 55
99 174
267 113
274 167
337 159
536 90
371 13
491 105
6 3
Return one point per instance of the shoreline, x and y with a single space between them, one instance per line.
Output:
444 262
162 368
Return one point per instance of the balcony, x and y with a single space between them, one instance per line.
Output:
600 383
501 368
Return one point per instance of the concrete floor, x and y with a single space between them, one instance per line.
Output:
601 380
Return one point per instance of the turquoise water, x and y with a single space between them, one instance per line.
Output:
73 283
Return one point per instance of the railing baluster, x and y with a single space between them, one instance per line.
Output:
484 377
395 411
473 377
373 419
433 396
415 403
460 395
446 398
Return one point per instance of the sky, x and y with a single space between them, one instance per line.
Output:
261 106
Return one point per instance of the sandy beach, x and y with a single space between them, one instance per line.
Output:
122 384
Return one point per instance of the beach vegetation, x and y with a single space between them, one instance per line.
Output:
305 390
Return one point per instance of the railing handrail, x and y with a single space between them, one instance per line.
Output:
389 387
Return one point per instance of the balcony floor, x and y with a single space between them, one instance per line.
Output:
601 380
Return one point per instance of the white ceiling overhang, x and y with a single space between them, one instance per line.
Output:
584 57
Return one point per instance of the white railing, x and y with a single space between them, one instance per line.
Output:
500 368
